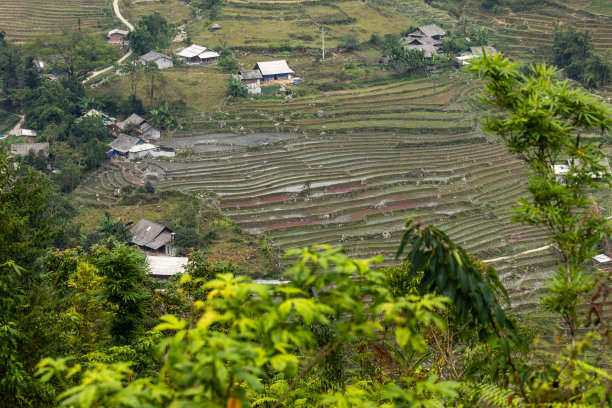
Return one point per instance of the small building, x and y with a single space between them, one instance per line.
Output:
123 144
151 236
432 30
141 150
274 71
475 52
430 50
603 262
116 36
198 55
162 61
164 267
216 26
146 130
22 149
28 134
252 76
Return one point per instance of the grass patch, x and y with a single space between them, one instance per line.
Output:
261 24
175 11
202 89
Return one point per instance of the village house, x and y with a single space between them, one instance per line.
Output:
162 61
274 71
146 131
130 147
432 31
153 237
22 149
198 55
251 77
116 36
28 134
122 145
164 267
475 52
427 39
216 26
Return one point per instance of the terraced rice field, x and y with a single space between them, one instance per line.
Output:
520 33
356 185
24 19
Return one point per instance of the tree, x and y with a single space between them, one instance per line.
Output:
125 274
153 79
133 72
163 118
115 229
574 51
89 128
152 31
236 88
542 121
75 53
349 42
247 335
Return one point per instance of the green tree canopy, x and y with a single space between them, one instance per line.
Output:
75 53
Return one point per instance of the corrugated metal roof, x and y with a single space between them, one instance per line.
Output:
145 231
428 48
167 265
159 241
432 30
274 67
153 56
192 51
142 147
23 132
117 31
123 143
251 74
134 118
208 54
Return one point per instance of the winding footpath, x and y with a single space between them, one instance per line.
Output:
530 251
130 27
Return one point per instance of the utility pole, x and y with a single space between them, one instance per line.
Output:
323 41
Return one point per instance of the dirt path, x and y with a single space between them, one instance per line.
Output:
530 251
129 26
17 126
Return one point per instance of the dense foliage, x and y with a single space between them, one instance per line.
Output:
574 51
152 32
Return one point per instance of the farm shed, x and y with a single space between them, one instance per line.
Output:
197 54
162 61
145 129
274 70
116 36
22 149
251 77
28 134
123 144
216 26
151 236
163 267
430 30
